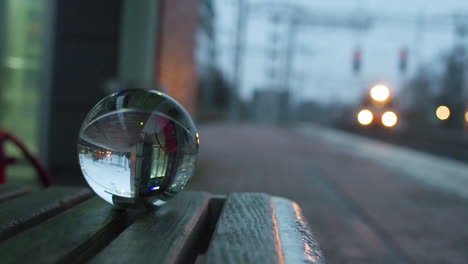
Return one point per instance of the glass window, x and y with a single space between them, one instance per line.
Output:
21 27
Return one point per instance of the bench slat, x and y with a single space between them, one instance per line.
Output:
245 232
252 228
11 191
170 234
255 228
298 243
69 237
29 210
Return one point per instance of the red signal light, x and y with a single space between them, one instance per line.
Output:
357 57
403 60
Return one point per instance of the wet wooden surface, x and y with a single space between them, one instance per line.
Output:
69 225
11 191
166 235
28 210
256 228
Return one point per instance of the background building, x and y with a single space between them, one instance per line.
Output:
58 58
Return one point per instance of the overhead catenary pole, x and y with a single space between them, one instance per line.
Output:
241 24
273 53
457 66
419 38
289 64
290 51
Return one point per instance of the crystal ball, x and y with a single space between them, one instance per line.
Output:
137 147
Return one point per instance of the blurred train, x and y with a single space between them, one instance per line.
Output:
377 108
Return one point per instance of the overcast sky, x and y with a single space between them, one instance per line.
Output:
323 73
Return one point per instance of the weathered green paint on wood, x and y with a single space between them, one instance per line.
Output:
246 232
28 210
11 191
258 228
170 234
69 237
297 241
251 228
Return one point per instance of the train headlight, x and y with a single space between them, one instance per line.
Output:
466 117
365 117
380 93
443 112
389 119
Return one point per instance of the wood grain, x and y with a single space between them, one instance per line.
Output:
246 232
70 237
257 228
11 191
252 228
298 243
26 211
167 235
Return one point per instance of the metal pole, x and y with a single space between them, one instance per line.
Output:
289 65
242 16
290 51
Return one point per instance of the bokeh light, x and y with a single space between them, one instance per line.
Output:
380 93
443 112
365 117
389 119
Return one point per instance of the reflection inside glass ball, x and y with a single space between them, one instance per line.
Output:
137 146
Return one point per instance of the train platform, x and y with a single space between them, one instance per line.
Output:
366 201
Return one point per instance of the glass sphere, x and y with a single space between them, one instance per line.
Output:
137 147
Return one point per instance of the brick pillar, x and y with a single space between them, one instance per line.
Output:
176 63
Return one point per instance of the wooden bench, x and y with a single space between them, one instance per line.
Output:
71 225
